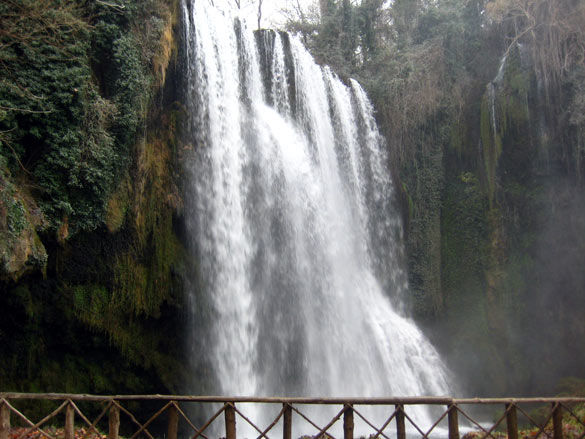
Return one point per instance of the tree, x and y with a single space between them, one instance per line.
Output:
405 15
555 30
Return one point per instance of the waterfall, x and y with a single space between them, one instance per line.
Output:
296 237
492 91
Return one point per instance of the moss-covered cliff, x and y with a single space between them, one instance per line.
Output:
509 298
90 207
533 243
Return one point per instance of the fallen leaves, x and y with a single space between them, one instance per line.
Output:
52 432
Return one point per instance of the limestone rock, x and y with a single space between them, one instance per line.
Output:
21 250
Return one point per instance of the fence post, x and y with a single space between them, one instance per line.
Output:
287 423
173 422
4 421
400 426
114 422
69 421
348 422
557 415
453 422
230 421
512 421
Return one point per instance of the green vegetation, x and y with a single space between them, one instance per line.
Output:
21 249
90 282
74 94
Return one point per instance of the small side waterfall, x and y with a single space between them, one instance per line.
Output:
292 217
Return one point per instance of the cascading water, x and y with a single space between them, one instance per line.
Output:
291 214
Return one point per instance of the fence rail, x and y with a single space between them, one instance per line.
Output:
560 418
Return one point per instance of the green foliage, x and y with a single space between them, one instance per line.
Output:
75 111
16 217
465 230
348 35
337 40
73 95
20 247
571 386
130 84
118 206
465 256
47 91
66 358
128 297
424 232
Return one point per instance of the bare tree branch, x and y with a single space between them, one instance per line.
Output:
25 110
7 143
111 5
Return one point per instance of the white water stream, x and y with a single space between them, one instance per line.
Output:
297 238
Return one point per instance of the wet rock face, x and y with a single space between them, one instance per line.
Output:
21 250
26 254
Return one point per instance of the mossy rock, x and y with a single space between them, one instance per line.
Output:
21 250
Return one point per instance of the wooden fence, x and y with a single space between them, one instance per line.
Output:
556 415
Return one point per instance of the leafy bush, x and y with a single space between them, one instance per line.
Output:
72 97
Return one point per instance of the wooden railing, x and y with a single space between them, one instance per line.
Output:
556 416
